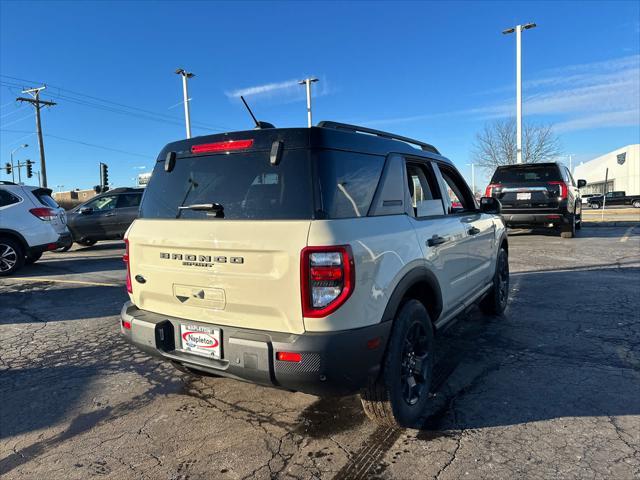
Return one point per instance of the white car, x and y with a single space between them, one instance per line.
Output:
321 260
31 222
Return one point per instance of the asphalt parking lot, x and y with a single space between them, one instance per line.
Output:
552 390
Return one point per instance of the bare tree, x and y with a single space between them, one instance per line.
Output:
496 144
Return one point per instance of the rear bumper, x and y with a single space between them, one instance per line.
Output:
335 363
62 241
528 219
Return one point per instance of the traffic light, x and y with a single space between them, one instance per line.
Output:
29 168
104 174
7 167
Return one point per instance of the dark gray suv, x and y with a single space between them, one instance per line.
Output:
104 217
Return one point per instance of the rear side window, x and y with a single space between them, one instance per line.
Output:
347 182
7 198
244 184
127 200
532 173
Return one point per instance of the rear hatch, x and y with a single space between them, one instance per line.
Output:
526 187
218 238
59 218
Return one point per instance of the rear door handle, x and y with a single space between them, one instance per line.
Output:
474 231
436 240
109 214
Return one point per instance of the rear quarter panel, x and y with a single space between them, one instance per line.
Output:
385 249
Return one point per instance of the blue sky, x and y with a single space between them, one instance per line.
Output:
436 71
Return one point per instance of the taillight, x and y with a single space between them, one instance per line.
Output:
563 188
327 279
125 259
226 146
490 188
43 213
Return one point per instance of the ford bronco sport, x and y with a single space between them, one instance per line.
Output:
319 260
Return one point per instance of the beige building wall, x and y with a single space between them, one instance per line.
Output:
625 176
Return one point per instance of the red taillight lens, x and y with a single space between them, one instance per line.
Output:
563 188
125 259
288 356
42 213
327 279
126 325
490 188
228 146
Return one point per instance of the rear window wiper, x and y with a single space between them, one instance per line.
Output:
203 207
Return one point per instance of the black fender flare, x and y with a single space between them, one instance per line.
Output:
411 278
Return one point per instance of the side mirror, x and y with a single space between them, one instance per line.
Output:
86 211
582 183
490 205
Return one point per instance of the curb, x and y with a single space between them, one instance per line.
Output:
620 223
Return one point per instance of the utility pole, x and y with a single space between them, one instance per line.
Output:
518 30
185 94
308 82
37 103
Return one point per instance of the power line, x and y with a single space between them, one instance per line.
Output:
148 112
81 143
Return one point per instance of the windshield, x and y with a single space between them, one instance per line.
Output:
246 185
533 173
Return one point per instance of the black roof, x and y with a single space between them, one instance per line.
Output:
331 135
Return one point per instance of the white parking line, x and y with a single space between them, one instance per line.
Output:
627 234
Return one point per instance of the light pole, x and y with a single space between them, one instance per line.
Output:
308 82
518 29
59 187
185 94
13 173
570 163
473 178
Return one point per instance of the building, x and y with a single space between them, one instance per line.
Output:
68 200
624 171
143 179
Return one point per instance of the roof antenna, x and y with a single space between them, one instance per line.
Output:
259 125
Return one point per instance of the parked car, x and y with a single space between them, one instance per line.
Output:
319 260
104 217
615 198
31 222
538 194
584 197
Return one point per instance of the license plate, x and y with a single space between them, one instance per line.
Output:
199 340
524 196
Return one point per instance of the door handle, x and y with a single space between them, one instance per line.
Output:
436 240
474 231
109 214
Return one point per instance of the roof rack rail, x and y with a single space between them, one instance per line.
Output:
379 133
6 182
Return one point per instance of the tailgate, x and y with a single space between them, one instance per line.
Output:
245 274
542 195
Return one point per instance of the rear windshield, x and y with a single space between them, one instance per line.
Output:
46 200
325 184
534 173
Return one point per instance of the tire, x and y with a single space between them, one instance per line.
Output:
495 302
32 258
11 256
570 231
594 205
398 397
636 204
88 242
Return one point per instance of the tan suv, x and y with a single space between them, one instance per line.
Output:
321 260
